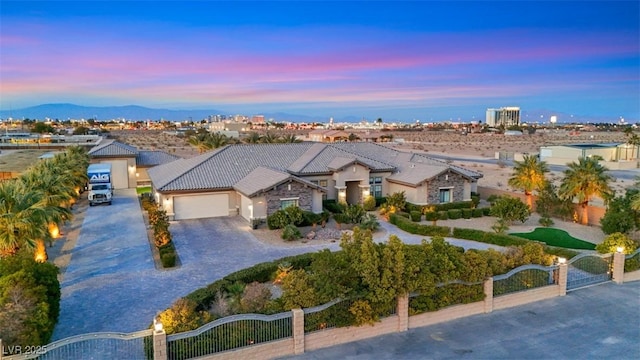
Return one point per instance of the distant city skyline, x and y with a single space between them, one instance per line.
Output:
401 61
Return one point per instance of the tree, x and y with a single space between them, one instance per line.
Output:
80 130
42 128
615 240
289 139
253 138
271 138
508 209
584 180
528 175
620 215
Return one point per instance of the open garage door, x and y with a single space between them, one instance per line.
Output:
119 174
200 206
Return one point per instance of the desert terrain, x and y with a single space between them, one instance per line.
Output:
473 146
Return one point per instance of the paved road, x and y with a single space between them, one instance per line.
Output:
599 322
111 283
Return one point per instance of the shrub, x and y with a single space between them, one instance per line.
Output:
397 200
255 298
454 214
291 232
404 214
332 206
354 213
311 218
369 203
443 215
431 216
488 237
413 228
615 240
416 216
380 201
486 211
369 222
277 220
168 259
475 200
545 221
294 215
183 316
341 218
363 312
510 209
476 213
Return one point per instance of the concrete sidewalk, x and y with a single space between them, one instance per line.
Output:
598 322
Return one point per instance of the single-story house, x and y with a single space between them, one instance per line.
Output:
324 135
614 155
255 180
128 164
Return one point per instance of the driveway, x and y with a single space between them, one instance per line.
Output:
111 283
599 322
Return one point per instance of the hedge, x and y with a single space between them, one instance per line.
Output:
332 206
488 237
416 216
476 213
414 228
454 214
380 201
443 215
467 213
441 207
262 273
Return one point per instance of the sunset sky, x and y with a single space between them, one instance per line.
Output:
397 60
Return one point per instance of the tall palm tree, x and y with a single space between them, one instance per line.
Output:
528 175
289 139
23 217
583 180
270 138
253 138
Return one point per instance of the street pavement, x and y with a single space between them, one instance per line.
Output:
599 322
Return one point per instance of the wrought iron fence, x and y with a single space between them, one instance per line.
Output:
632 261
229 333
524 278
446 294
588 269
91 346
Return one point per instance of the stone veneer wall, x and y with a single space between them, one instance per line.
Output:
455 180
301 191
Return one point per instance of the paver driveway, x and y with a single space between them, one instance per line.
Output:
111 283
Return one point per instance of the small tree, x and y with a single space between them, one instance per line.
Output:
508 209
615 240
398 200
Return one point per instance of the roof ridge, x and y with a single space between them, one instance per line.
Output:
366 157
321 148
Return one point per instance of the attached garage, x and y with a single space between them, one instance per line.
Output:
119 174
200 206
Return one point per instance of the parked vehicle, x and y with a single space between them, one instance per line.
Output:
100 187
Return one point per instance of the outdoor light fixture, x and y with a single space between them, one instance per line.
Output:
157 325
562 260
620 249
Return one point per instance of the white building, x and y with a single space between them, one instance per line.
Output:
507 116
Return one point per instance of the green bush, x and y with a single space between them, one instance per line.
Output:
454 205
431 216
404 214
29 300
341 218
295 215
487 237
380 201
486 211
168 259
545 221
416 216
467 213
354 213
369 203
413 207
414 228
443 215
615 240
332 206
454 214
369 222
277 220
291 233
311 218
476 213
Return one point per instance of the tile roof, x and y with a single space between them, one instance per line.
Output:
234 165
112 148
263 178
153 158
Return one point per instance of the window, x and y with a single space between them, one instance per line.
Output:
285 203
445 195
323 183
375 186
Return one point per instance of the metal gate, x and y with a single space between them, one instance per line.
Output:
589 269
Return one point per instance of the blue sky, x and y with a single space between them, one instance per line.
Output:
423 60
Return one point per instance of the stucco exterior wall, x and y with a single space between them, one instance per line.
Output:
351 173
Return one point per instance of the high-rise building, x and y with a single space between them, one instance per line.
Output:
507 116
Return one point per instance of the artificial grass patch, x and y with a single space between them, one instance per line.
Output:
555 237
143 189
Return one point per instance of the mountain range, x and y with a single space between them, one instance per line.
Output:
135 112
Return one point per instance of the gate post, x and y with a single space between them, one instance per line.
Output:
562 278
618 267
298 331
402 310
488 295
159 342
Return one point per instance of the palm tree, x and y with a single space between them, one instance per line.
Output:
217 140
528 175
270 138
24 217
635 200
583 180
253 138
200 141
289 139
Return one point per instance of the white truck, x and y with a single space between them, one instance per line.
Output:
100 187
